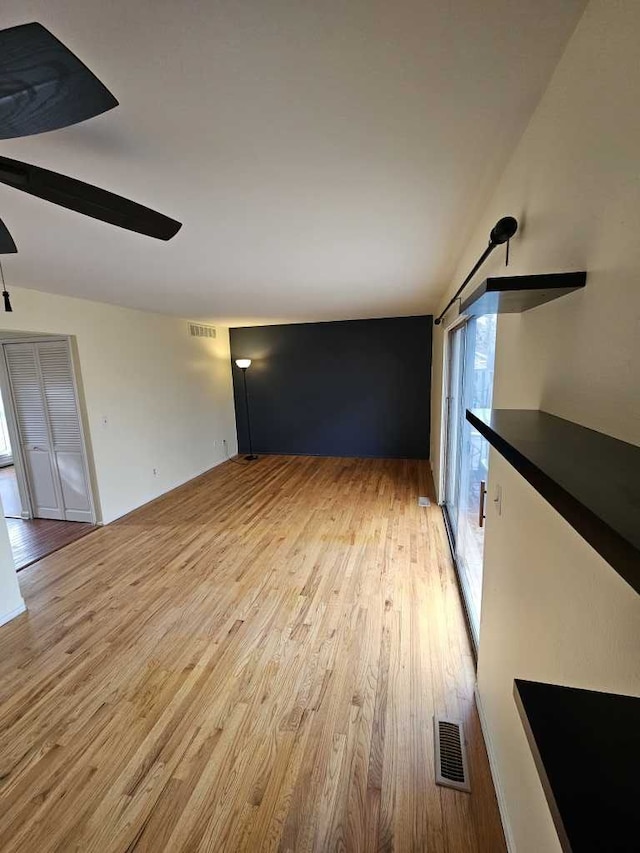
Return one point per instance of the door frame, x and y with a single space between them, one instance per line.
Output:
14 435
22 476
6 459
461 320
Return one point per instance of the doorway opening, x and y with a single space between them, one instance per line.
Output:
9 492
45 485
468 384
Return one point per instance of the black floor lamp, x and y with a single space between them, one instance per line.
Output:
244 364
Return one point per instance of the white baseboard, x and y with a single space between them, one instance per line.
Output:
170 488
493 766
7 617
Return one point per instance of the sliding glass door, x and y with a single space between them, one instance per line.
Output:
455 364
470 364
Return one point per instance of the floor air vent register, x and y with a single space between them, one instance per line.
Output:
451 758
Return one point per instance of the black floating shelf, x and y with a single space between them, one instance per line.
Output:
591 479
586 747
516 293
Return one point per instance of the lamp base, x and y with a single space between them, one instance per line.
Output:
251 457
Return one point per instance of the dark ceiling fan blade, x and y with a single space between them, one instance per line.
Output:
43 86
7 246
87 199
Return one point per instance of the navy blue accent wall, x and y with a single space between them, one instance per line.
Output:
349 388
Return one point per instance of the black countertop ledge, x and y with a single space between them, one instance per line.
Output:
586 747
591 479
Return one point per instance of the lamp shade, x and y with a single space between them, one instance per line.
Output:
243 363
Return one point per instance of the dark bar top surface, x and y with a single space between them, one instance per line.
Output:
517 293
586 746
591 479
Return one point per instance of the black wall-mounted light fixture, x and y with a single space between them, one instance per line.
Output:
502 232
244 364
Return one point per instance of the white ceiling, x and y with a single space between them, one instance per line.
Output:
328 158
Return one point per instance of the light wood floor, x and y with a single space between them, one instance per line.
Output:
249 663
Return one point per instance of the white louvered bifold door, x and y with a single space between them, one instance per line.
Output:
43 388
28 398
64 424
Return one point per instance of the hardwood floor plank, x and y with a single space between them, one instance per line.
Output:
34 539
251 662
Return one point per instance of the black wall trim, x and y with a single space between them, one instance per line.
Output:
348 388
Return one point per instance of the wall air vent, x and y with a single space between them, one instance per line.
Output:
196 330
450 754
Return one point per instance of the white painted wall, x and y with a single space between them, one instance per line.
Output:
574 184
552 608
166 395
553 611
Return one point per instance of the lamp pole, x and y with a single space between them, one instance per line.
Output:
244 364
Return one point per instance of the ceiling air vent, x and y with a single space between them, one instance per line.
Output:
196 330
451 758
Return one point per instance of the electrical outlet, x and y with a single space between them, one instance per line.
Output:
155 472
